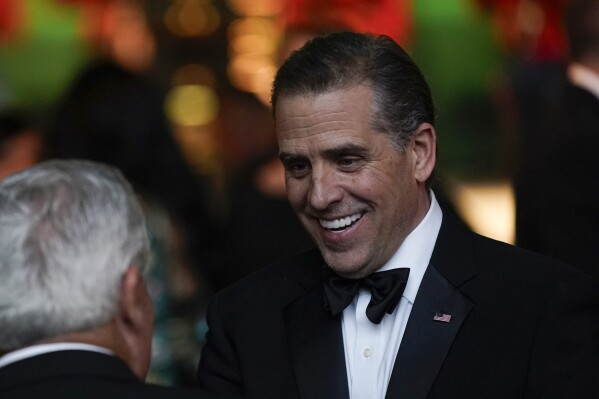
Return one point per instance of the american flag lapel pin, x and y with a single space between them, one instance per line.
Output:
442 317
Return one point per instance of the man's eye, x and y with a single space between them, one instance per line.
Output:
297 169
298 166
349 162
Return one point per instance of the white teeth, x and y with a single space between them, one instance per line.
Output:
340 223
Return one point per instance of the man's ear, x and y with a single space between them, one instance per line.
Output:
425 152
135 321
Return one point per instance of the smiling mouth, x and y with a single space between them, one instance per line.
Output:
341 224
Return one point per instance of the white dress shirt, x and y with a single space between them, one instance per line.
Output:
370 349
35 350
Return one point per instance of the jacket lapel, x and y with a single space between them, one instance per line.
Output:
316 347
426 342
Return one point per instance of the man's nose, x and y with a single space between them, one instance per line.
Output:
324 189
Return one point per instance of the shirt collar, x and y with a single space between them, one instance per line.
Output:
584 77
35 350
416 250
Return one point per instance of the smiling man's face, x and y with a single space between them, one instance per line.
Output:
355 193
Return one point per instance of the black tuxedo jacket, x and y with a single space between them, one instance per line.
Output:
78 374
522 326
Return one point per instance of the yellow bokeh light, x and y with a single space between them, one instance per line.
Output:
253 44
191 105
252 26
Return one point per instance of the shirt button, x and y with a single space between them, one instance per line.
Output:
367 352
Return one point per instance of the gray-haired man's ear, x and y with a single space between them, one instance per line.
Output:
135 322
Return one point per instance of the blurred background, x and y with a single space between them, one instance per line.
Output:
176 94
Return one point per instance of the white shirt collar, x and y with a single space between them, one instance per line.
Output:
416 250
584 77
35 350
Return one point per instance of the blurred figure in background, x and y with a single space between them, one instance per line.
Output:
562 169
532 37
75 312
21 143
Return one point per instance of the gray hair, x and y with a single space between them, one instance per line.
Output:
402 97
68 232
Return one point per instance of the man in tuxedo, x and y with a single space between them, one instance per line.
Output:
399 300
561 171
75 315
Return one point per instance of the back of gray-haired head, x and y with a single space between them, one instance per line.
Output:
402 98
68 232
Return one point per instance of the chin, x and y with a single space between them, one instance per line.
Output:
346 266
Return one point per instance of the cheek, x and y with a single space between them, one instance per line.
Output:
296 192
375 185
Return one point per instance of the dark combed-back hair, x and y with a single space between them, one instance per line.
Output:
402 97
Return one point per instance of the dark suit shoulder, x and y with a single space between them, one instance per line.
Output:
81 374
504 257
478 264
247 333
91 388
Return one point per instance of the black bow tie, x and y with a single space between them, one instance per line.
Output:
385 287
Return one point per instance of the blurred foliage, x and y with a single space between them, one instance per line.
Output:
36 66
455 48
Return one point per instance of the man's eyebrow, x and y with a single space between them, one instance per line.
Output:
334 152
288 157
345 149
